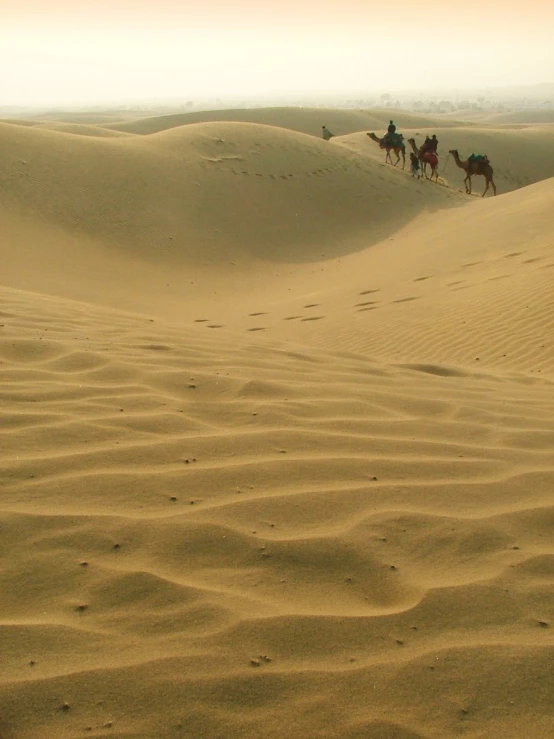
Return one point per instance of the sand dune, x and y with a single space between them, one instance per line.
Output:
532 117
202 534
211 186
277 439
82 129
301 119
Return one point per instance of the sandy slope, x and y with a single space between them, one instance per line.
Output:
202 534
303 485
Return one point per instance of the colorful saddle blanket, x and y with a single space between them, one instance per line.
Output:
478 158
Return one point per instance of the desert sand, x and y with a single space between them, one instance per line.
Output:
277 430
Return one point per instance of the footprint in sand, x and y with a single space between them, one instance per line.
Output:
458 282
513 254
313 318
311 305
256 328
407 300
369 292
530 261
260 313
368 302
201 320
471 264
420 279
215 325
371 307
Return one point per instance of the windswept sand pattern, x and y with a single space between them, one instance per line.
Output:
286 468
213 532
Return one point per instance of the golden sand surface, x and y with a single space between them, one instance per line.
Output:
276 430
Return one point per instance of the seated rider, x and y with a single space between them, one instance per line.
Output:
425 145
391 133
433 144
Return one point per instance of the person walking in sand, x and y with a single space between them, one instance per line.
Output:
326 133
414 165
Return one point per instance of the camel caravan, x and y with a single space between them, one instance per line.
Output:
426 158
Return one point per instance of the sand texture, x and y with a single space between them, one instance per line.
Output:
276 431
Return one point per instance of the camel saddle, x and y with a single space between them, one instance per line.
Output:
392 139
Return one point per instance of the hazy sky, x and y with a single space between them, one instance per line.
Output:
80 51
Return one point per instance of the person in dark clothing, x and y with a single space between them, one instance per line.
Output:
391 133
326 133
433 144
414 165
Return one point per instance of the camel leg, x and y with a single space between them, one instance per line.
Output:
486 188
493 187
403 159
467 183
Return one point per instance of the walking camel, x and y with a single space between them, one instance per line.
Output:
399 150
426 158
473 167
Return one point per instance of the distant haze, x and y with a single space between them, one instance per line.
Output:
89 51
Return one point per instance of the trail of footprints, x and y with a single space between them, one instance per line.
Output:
371 305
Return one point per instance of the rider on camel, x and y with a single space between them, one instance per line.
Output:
430 145
433 144
391 133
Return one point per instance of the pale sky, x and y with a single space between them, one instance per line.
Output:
87 51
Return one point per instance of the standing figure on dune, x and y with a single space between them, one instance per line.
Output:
326 133
414 165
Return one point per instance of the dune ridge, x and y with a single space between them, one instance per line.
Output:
276 439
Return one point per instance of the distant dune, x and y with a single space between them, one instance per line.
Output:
82 129
531 117
304 120
277 432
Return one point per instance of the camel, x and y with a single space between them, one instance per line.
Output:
480 167
426 158
398 150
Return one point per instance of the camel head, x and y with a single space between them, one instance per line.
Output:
454 152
